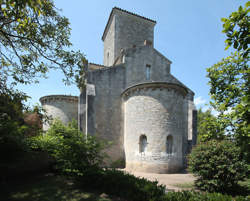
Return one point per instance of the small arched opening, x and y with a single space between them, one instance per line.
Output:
169 144
143 143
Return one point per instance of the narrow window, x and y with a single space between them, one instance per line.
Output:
142 143
169 144
148 69
108 59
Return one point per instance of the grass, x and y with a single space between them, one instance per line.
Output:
243 188
48 188
185 186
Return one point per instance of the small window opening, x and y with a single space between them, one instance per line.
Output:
169 144
148 72
108 59
142 143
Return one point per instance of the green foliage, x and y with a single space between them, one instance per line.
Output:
12 126
218 166
121 184
230 93
230 80
197 196
73 154
34 39
236 27
209 127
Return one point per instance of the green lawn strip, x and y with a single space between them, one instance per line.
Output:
244 186
187 185
49 188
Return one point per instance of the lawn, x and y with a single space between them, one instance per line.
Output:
48 188
243 188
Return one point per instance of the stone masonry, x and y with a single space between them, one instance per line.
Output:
147 114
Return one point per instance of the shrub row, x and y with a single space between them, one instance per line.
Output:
197 196
122 184
129 187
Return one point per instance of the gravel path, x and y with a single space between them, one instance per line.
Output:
166 179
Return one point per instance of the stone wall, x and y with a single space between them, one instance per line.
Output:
105 118
124 31
109 45
62 107
156 110
106 109
132 31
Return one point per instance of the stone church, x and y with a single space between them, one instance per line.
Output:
147 113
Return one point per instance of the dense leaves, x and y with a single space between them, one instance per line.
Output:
230 80
236 27
122 184
197 196
12 125
218 166
230 93
209 127
34 38
71 152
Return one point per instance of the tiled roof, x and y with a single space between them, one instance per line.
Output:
125 11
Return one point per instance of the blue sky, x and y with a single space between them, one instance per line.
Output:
187 32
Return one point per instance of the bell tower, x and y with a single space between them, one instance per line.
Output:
125 30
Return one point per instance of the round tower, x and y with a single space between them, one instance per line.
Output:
62 107
155 127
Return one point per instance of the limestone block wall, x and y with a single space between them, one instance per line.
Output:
109 45
105 118
137 59
123 31
62 107
155 110
132 31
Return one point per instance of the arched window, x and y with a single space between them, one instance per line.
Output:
169 144
142 143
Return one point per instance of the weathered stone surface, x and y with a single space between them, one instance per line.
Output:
60 107
156 113
136 96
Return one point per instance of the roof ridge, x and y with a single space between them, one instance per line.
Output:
96 64
145 18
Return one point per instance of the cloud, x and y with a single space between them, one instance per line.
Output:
199 101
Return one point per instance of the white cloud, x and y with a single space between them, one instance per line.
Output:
199 101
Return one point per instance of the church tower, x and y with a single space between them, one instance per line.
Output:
125 30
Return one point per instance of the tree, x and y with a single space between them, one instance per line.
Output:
230 81
209 127
236 27
34 38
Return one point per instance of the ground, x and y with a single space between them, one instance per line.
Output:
174 182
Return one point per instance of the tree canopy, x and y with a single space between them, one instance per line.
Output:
236 27
230 80
209 127
34 38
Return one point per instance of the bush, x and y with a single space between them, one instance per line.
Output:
129 187
218 166
121 184
72 153
12 127
197 196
